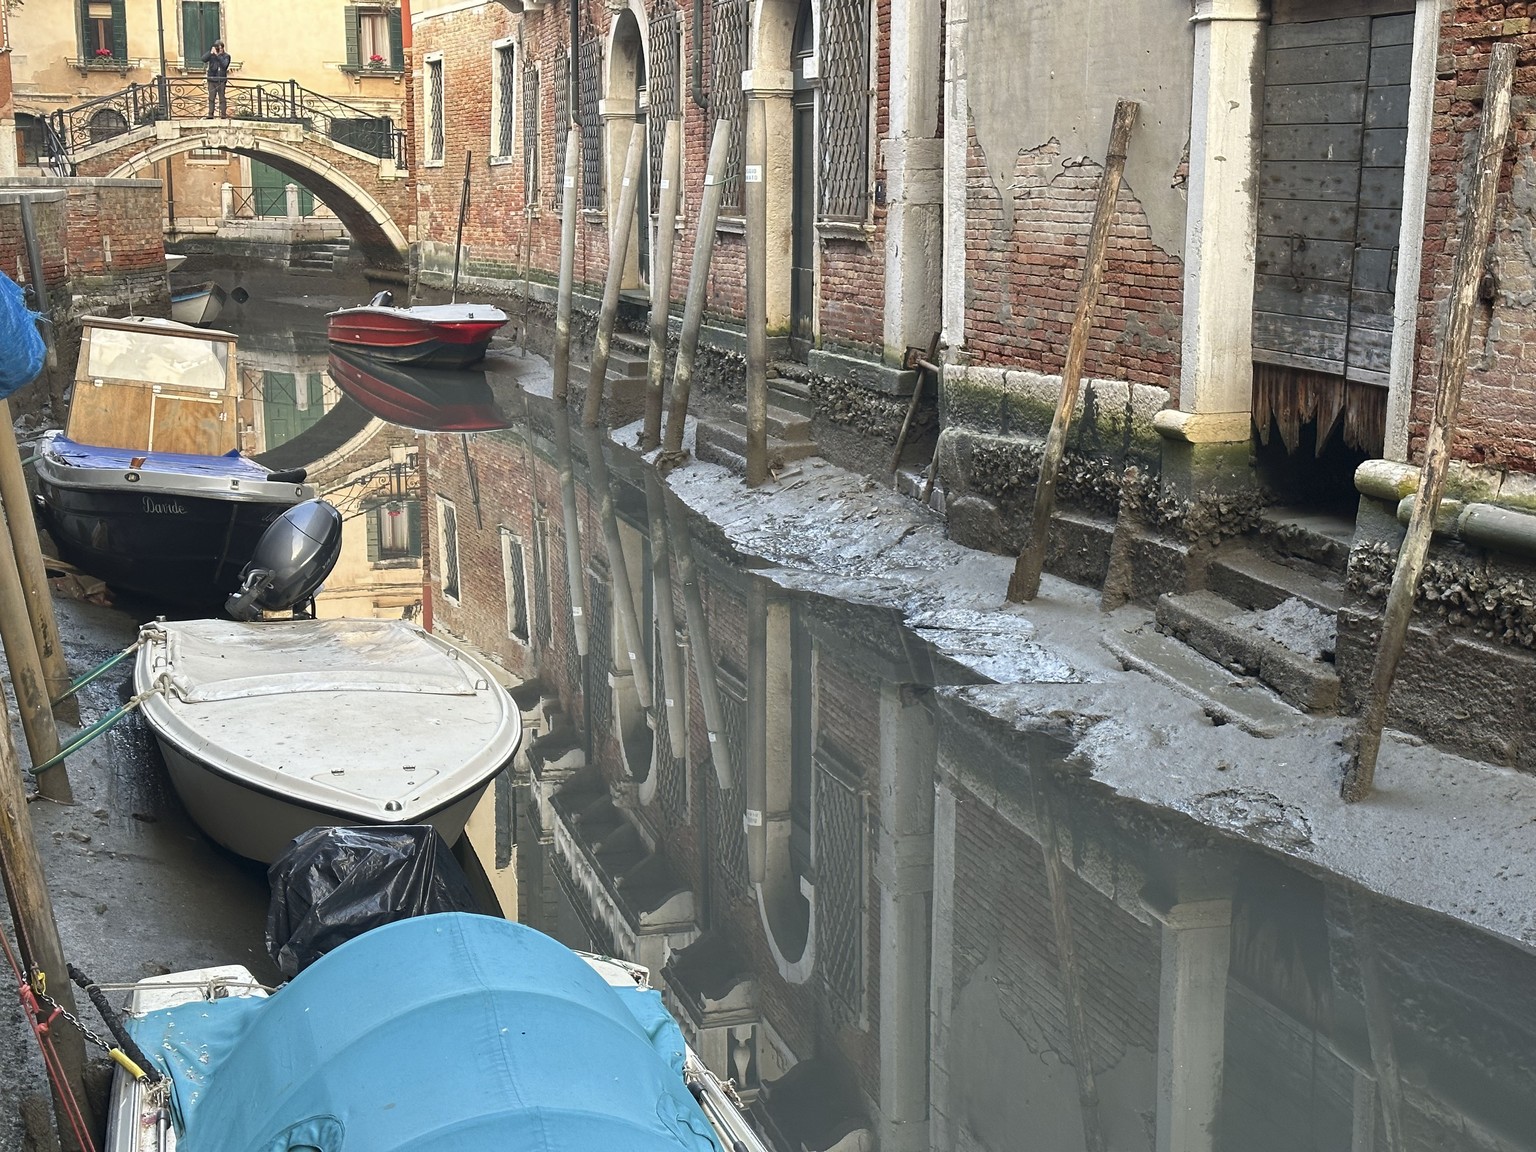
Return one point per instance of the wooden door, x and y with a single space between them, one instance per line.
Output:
1331 189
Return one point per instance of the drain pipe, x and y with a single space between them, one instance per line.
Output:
696 27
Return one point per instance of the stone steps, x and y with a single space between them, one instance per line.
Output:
1251 580
782 423
1321 538
1244 641
725 442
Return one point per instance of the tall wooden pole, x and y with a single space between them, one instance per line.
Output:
755 196
619 228
575 585
27 680
700 645
698 287
1025 583
1466 273
626 605
661 282
26 889
673 688
560 362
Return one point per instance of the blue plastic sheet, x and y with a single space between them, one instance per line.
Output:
447 1033
231 464
21 345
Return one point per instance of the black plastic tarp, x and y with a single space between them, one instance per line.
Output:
336 883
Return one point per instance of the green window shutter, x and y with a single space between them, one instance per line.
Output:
413 523
199 30
373 532
396 40
84 20
119 30
354 56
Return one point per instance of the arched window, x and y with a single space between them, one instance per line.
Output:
106 124
845 110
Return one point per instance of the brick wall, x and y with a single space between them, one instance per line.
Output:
1022 286
1497 422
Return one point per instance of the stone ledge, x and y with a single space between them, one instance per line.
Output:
869 374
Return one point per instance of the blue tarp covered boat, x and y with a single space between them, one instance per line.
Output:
448 1032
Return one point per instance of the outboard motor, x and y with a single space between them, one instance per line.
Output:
292 559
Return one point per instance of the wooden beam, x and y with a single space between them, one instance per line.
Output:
1466 274
1025 584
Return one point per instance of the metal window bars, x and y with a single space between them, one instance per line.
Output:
844 112
838 852
729 50
729 808
506 89
562 81
599 658
665 80
436 136
530 134
516 586
672 783
591 125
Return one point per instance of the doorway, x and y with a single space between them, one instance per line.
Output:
802 287
627 86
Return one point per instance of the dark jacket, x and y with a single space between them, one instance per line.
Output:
218 64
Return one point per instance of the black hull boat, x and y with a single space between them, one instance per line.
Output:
171 527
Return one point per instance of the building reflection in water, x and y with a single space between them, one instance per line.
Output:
897 921
293 414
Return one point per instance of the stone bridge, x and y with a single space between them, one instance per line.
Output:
353 161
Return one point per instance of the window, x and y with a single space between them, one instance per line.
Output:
106 124
199 31
31 141
530 135
436 141
592 134
729 49
844 112
448 548
394 531
103 31
504 100
562 85
514 575
374 38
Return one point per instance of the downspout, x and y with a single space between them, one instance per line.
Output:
573 79
697 30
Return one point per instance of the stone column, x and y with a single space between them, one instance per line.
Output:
227 201
957 123
1191 1027
903 867
291 203
1209 430
775 87
618 117
913 156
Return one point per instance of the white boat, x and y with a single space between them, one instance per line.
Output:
197 303
275 727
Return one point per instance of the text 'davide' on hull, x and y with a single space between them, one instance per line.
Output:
438 335
273 728
171 526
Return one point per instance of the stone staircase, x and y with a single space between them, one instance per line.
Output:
790 409
1267 616
319 257
628 357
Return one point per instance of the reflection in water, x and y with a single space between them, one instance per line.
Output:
427 399
882 911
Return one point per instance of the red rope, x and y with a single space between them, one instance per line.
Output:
42 1020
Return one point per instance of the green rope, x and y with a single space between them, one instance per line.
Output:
113 662
92 732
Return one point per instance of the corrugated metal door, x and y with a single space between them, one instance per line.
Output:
1331 189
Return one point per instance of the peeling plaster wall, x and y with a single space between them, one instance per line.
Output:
1042 70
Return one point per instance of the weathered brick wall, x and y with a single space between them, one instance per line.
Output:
52 233
503 239
1497 422
1023 284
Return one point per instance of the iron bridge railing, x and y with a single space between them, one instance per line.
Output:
260 101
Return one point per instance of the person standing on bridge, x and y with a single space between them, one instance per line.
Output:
218 76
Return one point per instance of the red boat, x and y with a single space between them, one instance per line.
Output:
427 399
438 335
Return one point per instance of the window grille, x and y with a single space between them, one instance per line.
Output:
600 656
572 654
436 144
729 50
839 858
448 537
515 584
543 625
591 125
530 134
506 91
672 785
728 809
562 125
665 85
844 111
393 532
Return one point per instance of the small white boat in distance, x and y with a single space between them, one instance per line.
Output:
275 727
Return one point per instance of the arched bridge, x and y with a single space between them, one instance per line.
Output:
353 161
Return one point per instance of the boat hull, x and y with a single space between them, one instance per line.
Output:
428 400
259 824
415 336
197 305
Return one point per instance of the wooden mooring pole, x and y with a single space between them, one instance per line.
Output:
673 688
619 228
37 930
1025 584
1466 273
661 282
698 287
626 604
699 644
560 361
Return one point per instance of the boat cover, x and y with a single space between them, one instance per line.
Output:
223 660
447 1033
231 465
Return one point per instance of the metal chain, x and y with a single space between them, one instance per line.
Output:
57 1009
